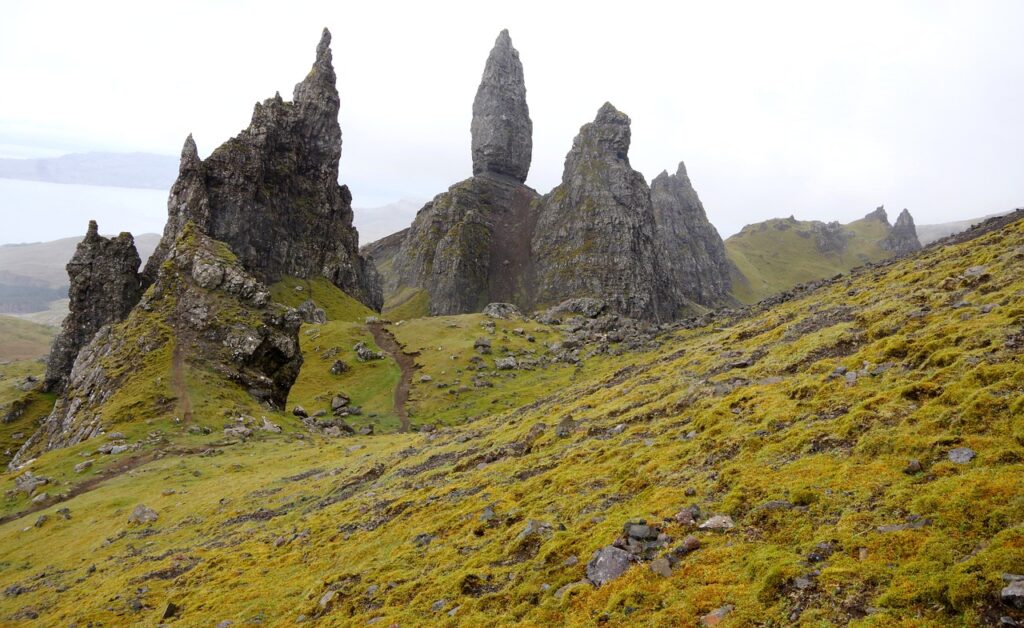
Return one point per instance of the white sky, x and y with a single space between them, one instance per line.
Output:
820 109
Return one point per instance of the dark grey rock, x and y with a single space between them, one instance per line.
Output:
688 245
607 564
271 193
104 286
1013 594
505 311
902 238
595 231
502 130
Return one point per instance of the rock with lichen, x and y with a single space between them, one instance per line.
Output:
104 286
594 235
271 193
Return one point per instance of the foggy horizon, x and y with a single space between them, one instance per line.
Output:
819 112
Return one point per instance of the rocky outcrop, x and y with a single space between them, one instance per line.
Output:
600 234
903 237
595 232
104 286
272 195
204 314
502 130
469 246
688 245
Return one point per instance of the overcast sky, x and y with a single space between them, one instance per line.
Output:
822 110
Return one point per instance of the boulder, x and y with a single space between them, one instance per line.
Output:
607 564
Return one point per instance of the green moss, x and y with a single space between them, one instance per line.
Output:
339 306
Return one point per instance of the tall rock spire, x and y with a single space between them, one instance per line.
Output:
689 247
903 236
271 193
502 130
595 231
104 286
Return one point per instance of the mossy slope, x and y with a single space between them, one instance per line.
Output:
744 418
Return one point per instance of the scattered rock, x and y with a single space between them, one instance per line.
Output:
143 514
504 311
662 567
339 367
914 466
300 412
170 610
607 564
482 345
506 364
716 616
565 427
961 455
310 313
270 427
718 523
1013 593
365 354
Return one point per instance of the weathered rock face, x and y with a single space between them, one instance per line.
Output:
595 232
382 254
470 245
205 314
502 130
105 286
688 245
272 194
903 237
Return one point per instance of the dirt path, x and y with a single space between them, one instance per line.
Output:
178 383
114 471
406 363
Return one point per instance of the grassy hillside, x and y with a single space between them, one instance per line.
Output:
800 422
22 340
776 255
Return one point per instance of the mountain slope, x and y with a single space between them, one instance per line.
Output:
775 255
867 444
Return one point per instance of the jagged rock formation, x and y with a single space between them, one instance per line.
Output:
688 245
205 313
903 237
271 193
595 231
470 245
105 286
502 130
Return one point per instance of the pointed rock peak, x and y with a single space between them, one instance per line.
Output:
502 132
323 49
904 218
189 154
319 86
879 214
681 170
608 114
93 231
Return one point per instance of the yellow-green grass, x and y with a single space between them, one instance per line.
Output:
693 420
445 354
407 303
24 406
370 385
339 306
776 255
24 340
